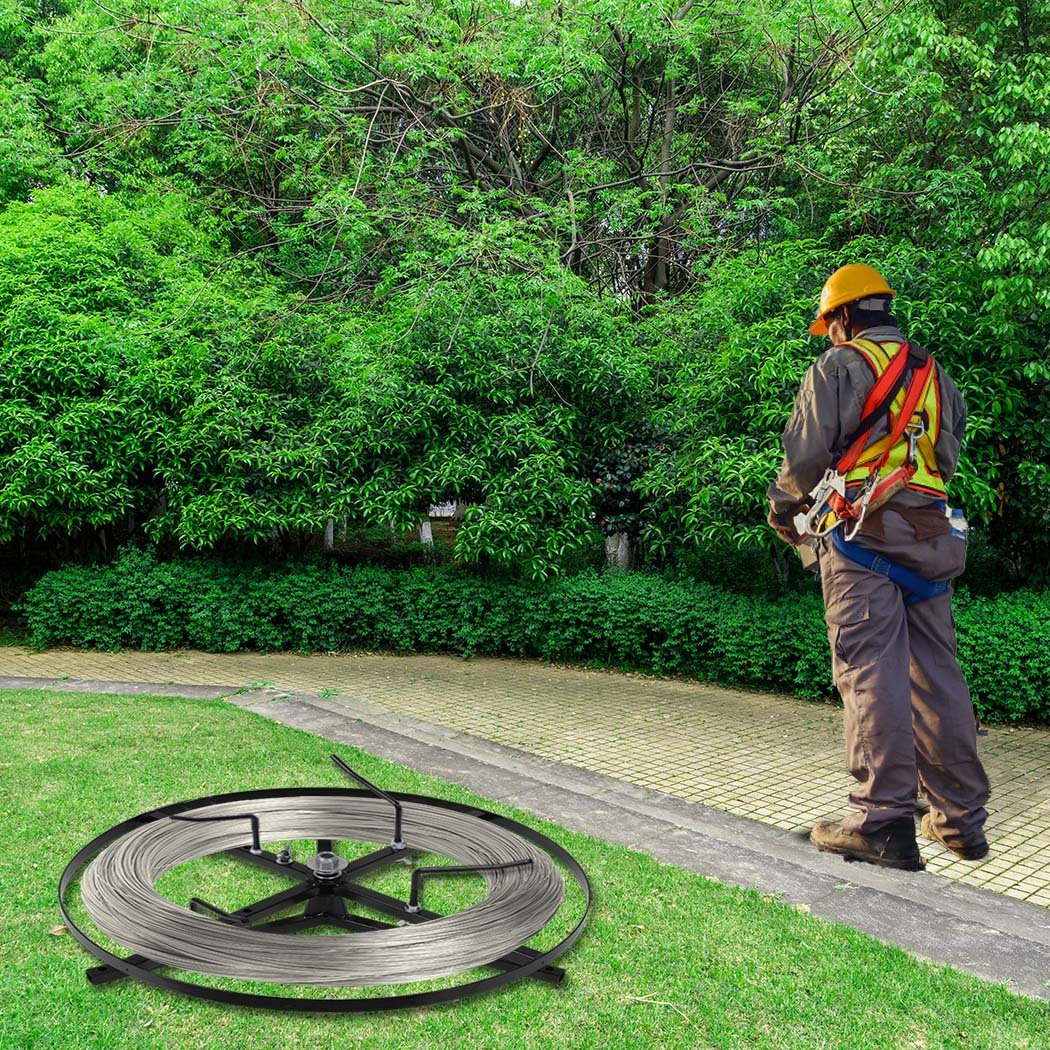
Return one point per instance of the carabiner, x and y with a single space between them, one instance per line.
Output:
862 501
914 432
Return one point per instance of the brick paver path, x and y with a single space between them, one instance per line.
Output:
773 758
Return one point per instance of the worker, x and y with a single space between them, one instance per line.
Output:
869 449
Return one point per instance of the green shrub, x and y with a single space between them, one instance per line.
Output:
1004 651
638 621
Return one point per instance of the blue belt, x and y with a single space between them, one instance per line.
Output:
916 588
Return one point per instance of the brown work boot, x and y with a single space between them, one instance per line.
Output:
975 849
892 846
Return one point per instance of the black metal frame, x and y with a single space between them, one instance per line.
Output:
325 897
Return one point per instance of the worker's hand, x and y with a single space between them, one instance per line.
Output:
784 525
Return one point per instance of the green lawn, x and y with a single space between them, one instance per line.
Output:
670 958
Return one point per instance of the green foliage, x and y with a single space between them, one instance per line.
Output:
498 390
142 372
1003 651
137 364
741 357
263 266
640 622
619 507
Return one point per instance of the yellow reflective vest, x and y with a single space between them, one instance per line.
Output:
927 478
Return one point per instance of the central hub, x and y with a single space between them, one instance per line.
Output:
327 865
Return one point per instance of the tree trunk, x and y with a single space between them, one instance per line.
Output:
656 277
620 553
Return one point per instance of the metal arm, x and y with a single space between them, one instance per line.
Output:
255 849
417 876
196 904
398 842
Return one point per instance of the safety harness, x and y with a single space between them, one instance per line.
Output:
925 422
855 485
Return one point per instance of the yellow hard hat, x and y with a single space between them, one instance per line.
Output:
845 285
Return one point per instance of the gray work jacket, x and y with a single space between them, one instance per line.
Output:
827 410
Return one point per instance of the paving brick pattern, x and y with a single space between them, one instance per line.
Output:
773 758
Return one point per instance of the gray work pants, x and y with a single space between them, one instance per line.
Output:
908 713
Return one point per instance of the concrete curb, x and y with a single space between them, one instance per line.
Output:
995 937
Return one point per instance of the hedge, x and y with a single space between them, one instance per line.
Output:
638 622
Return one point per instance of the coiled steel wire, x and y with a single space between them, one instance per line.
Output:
117 890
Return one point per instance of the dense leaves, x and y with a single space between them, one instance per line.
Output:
267 267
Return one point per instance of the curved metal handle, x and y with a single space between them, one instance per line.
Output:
398 842
196 904
255 849
417 875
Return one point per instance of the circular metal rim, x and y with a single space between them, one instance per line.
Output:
280 1002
